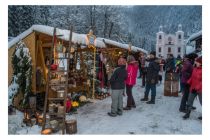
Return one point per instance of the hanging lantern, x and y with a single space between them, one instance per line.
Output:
129 47
59 47
91 39
72 50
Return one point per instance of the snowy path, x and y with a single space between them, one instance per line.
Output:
161 118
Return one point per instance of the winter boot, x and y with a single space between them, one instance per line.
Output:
193 108
145 98
187 115
152 101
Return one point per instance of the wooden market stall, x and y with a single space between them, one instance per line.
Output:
38 39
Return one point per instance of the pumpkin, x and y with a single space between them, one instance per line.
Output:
82 98
47 131
75 104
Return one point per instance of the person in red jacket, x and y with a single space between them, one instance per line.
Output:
195 83
68 104
132 70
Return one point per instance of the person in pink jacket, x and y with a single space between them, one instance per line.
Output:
132 70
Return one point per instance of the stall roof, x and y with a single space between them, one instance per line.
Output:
120 45
76 38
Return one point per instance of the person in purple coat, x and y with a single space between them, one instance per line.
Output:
186 74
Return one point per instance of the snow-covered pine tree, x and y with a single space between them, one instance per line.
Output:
22 75
20 18
41 15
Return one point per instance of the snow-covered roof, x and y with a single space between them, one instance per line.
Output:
189 49
194 36
76 38
121 45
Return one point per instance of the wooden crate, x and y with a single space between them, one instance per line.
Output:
175 77
171 87
175 88
71 126
167 88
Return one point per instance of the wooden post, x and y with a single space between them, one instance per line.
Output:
36 54
47 85
94 73
66 87
70 38
43 62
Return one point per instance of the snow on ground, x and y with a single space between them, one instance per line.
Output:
161 118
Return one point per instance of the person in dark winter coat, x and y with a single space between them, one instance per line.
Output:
139 61
117 82
143 69
170 64
195 83
186 74
151 78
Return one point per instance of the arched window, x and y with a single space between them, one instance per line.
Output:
169 49
179 37
169 40
159 50
160 37
179 49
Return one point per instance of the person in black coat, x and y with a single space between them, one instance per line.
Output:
117 82
170 64
151 78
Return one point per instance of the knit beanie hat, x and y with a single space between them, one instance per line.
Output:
199 60
153 53
121 61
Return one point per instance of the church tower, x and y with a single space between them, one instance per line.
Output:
160 41
179 43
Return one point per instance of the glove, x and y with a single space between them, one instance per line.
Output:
194 91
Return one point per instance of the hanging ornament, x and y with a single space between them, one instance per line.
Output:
78 64
72 50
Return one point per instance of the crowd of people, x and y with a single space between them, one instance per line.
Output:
151 69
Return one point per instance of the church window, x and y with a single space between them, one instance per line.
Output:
179 37
169 49
159 50
160 37
169 40
179 49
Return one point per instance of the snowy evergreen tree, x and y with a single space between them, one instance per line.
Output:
41 14
20 18
138 24
22 75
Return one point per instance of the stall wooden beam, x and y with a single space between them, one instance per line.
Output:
43 62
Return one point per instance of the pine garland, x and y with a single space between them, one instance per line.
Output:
22 75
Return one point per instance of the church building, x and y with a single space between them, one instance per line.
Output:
170 43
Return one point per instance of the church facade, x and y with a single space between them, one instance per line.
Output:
170 43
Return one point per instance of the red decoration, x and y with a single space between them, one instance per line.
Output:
53 67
